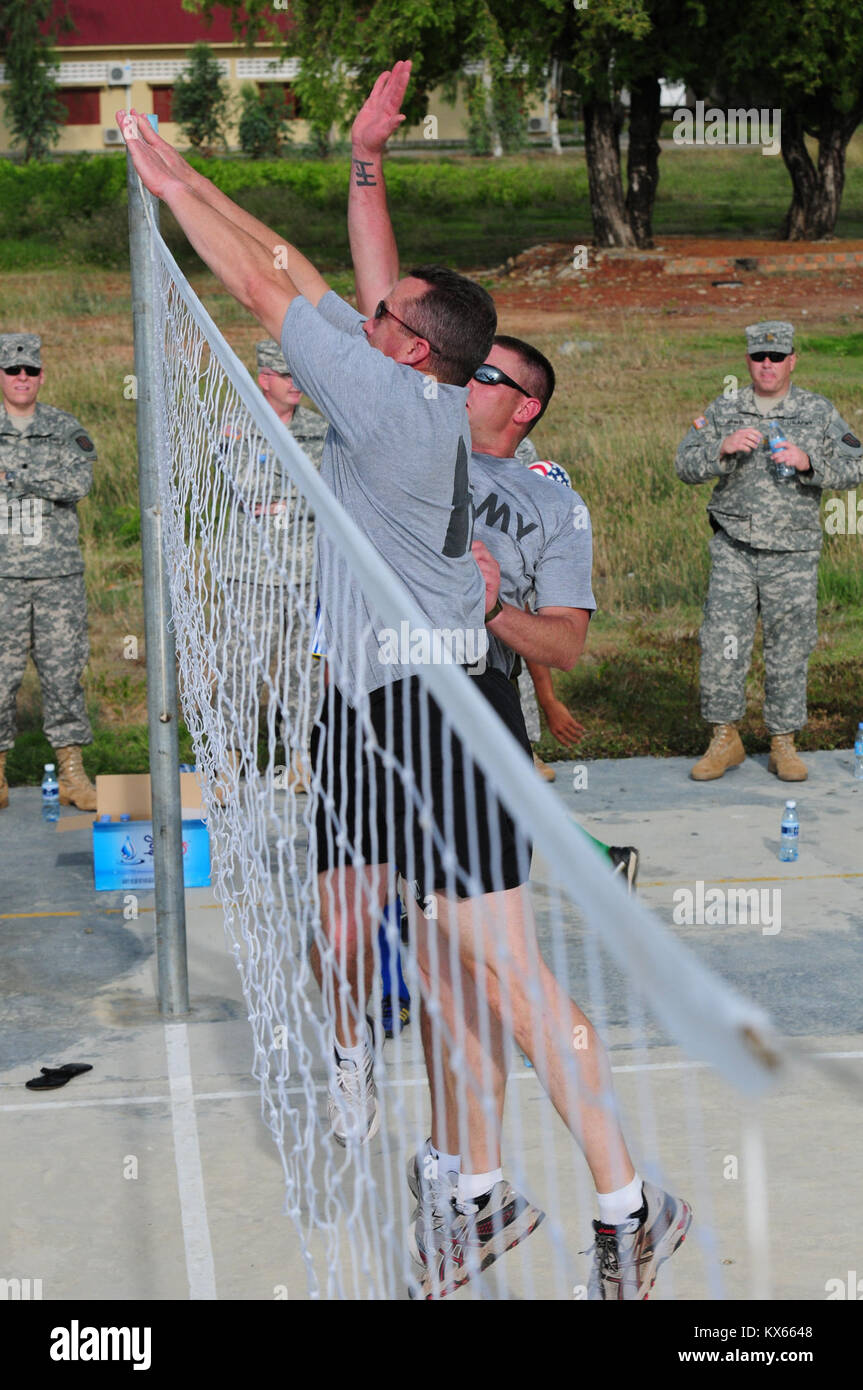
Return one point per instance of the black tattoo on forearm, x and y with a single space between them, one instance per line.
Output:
363 177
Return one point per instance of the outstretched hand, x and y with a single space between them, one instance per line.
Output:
380 115
158 163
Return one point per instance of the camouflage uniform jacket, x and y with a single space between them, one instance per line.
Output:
257 479
50 464
748 502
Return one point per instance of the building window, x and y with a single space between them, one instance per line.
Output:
162 98
82 104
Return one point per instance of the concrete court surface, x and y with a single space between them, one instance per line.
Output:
154 1176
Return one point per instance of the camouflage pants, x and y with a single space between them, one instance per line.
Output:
266 640
48 618
782 586
529 707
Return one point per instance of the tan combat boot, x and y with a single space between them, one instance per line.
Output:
4 785
784 759
76 789
725 751
298 776
548 773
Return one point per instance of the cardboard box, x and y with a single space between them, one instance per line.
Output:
123 850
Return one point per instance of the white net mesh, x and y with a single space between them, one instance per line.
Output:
241 502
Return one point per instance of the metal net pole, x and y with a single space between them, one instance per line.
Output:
162 713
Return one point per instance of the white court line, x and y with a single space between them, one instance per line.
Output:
523 1074
190 1178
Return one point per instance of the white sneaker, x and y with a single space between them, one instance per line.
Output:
353 1101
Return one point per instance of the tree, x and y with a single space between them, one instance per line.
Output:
811 68
264 124
200 104
34 113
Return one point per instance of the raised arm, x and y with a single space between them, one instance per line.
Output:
373 245
307 280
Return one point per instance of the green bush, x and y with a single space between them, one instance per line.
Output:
264 124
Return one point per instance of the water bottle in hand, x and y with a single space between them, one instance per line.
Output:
858 753
50 795
790 833
776 439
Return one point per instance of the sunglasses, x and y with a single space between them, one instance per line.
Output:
383 312
774 356
16 371
493 376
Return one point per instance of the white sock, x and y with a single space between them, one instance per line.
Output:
352 1054
473 1185
446 1163
617 1207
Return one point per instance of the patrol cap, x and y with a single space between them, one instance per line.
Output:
270 358
771 336
20 350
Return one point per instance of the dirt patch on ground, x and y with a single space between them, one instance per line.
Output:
691 278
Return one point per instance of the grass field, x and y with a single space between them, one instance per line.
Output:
618 416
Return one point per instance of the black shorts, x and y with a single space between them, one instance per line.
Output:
375 789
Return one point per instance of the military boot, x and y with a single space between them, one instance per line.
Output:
784 759
725 751
546 772
76 789
4 785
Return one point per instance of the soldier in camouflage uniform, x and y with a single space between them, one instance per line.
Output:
267 550
46 467
766 544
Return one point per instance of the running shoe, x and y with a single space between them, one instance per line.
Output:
468 1237
626 1258
625 861
353 1101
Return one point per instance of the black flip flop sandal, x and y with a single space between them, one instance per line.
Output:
53 1078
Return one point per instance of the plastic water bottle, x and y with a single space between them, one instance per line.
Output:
777 440
790 833
50 795
858 753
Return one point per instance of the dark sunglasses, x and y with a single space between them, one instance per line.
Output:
493 376
774 356
383 312
16 371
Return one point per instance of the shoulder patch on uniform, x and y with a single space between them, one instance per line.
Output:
699 423
851 439
84 442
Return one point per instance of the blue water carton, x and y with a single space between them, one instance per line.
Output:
123 854
123 850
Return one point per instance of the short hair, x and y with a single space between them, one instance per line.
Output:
456 316
538 375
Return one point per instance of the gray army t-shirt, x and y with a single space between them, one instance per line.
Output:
540 535
397 458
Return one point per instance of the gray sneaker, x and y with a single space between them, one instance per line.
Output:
353 1101
468 1238
626 1258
